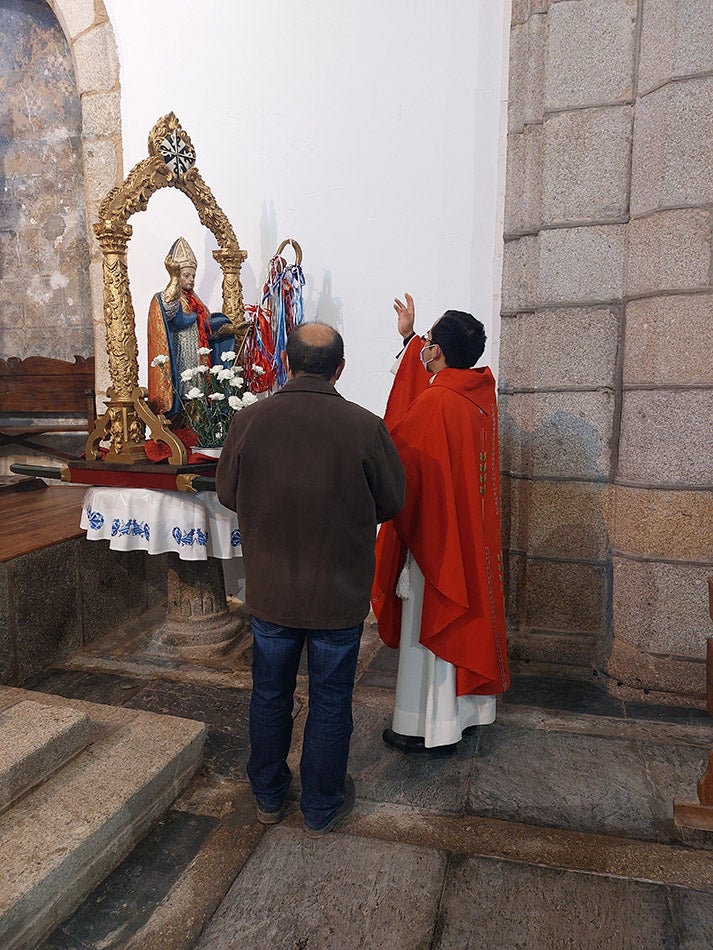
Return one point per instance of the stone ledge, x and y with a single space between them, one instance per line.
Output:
662 676
567 650
36 741
520 843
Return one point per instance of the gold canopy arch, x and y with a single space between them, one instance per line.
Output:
171 163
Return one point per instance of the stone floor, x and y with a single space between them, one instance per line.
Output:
551 828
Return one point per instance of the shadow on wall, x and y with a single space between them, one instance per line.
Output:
561 445
329 307
321 305
556 497
269 240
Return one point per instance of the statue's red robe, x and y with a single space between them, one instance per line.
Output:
447 436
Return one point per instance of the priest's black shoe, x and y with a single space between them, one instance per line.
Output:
403 743
415 744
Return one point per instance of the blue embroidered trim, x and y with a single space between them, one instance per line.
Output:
235 539
95 518
132 526
194 536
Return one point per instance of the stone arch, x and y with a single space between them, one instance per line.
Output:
96 68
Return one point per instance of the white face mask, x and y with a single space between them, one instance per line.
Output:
428 346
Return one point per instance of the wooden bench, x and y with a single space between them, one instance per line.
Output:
40 395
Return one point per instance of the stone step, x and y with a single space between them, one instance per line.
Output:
65 836
35 741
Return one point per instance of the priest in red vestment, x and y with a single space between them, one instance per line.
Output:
438 588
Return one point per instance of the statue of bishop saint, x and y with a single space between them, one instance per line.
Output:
179 325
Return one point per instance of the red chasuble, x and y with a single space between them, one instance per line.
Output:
447 436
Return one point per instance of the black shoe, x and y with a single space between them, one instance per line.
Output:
403 743
408 744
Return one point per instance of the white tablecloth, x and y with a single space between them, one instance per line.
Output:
142 519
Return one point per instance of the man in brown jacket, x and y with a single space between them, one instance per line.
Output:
310 476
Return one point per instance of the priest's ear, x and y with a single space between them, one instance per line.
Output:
339 370
286 363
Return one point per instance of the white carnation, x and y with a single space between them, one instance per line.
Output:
234 402
160 360
188 374
201 369
228 355
216 397
216 369
204 351
258 370
249 399
236 381
194 393
226 374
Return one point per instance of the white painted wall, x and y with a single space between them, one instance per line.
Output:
371 132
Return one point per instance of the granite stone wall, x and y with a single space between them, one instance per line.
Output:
96 68
60 153
606 366
45 305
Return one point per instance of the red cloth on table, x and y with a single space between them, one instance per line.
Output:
158 451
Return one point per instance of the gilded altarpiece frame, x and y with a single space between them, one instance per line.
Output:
171 163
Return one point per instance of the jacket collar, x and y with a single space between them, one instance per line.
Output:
308 384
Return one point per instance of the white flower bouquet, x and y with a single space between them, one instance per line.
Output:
211 395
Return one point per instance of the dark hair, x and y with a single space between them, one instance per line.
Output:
317 352
461 338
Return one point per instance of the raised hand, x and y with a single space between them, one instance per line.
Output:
406 313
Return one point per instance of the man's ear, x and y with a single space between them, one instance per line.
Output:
286 363
340 368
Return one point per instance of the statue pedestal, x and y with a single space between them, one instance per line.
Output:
199 623
200 534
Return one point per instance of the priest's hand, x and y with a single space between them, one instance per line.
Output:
406 314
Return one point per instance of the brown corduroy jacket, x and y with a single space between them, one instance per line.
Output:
310 476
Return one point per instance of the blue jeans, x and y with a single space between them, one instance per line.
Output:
331 666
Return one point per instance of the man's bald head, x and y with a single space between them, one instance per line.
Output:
315 349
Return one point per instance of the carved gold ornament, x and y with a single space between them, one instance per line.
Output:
171 163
